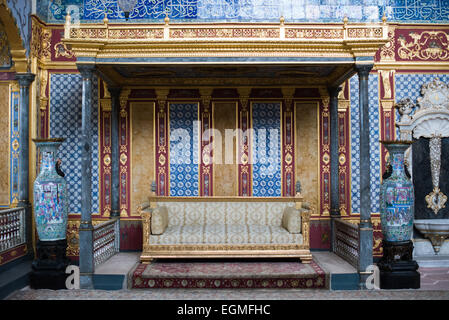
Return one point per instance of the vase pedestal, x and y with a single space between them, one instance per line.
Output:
48 270
397 268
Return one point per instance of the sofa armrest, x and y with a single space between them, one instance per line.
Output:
306 212
159 220
142 207
146 225
291 220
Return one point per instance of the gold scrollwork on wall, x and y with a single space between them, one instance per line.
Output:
387 51
61 50
424 46
41 42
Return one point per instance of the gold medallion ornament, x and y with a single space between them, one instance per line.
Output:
107 160
436 200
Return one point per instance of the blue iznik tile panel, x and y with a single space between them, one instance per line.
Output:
253 10
65 122
431 11
184 154
375 170
409 85
266 149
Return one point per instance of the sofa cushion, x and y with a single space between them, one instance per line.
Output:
159 220
291 220
225 234
225 212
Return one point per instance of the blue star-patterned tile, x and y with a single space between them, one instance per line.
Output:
266 149
408 85
65 122
375 170
184 153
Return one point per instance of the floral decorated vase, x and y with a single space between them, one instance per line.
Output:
50 194
397 197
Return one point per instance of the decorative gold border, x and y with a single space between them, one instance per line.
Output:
10 90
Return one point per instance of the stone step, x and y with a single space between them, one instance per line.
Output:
14 276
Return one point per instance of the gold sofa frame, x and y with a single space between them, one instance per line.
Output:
151 252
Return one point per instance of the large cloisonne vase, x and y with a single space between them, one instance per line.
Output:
397 197
50 194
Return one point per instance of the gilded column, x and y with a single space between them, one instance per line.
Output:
333 106
24 80
365 225
115 152
244 144
86 253
162 144
288 143
334 135
206 152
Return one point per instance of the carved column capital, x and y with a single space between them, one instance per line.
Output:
86 70
114 92
363 70
288 94
25 79
334 91
124 94
244 93
206 97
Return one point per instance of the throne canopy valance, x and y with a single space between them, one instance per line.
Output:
342 44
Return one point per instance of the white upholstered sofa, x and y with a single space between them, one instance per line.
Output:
178 227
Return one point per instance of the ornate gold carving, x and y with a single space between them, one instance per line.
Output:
162 160
61 50
387 105
181 33
366 32
436 200
288 158
437 240
244 93
106 104
43 100
15 86
244 159
123 158
424 46
146 226
326 158
114 40
15 144
303 33
40 41
387 51
206 96
385 74
107 160
124 94
140 33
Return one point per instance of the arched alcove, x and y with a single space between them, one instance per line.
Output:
18 52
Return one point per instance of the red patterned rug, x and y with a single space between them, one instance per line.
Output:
225 275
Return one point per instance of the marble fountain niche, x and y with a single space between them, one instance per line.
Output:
427 124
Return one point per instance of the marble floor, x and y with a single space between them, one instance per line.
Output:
434 286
